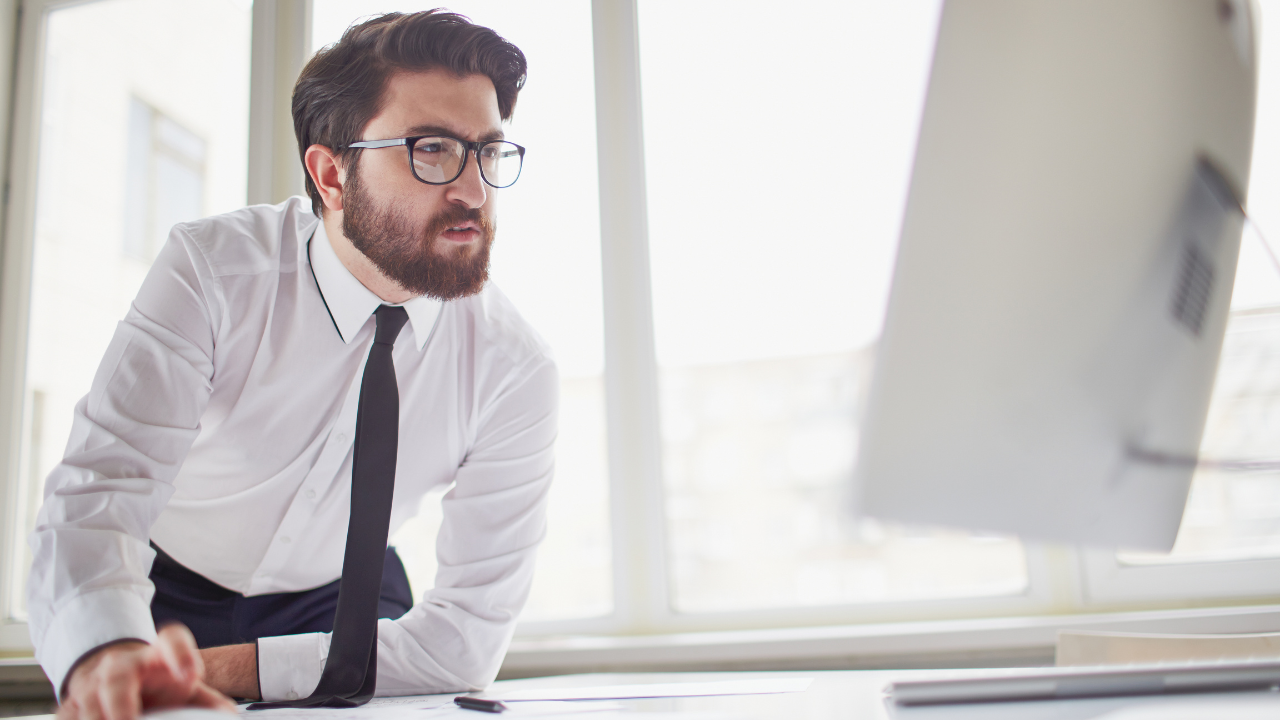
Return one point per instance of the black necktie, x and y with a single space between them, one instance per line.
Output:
351 671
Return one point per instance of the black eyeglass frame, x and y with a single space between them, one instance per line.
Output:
471 148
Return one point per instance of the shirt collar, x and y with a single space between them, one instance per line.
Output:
351 304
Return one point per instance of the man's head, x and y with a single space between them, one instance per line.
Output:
397 76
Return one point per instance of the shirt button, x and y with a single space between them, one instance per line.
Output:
340 438
291 695
285 539
311 494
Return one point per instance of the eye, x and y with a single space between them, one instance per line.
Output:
430 147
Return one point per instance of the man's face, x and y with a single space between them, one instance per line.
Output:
431 239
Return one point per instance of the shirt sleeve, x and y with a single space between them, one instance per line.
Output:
130 434
494 517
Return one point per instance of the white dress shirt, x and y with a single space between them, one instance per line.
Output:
220 425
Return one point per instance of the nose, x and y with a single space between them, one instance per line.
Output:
469 189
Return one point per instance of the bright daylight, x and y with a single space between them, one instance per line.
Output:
690 358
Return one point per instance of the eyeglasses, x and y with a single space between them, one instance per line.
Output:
439 160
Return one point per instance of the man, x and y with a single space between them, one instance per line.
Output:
212 460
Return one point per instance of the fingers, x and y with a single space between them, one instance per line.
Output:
177 646
75 710
206 697
85 705
68 710
119 681
120 688
109 670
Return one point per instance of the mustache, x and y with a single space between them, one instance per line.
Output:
456 215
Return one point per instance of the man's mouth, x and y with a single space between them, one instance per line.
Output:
464 232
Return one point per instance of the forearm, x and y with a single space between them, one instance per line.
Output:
233 670
494 518
435 650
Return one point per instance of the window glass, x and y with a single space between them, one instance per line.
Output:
162 89
164 179
546 258
1236 515
778 150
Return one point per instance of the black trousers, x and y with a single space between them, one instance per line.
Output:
218 616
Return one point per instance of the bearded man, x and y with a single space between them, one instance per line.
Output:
288 384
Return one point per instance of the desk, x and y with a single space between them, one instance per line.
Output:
857 695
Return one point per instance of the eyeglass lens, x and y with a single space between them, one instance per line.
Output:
440 159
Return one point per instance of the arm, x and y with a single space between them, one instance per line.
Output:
494 518
233 669
131 433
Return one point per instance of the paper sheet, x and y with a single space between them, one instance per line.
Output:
694 689
557 707
615 715
437 707
541 702
541 709
392 708
609 715
551 709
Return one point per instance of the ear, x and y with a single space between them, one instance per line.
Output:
328 175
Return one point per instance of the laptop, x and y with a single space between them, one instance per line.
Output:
1054 683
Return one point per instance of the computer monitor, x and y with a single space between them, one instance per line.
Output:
1064 271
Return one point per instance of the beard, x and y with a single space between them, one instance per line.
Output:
415 255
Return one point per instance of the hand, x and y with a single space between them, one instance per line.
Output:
120 681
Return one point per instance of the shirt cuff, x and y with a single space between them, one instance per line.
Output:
90 621
289 666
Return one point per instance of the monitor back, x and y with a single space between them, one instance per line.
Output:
1064 271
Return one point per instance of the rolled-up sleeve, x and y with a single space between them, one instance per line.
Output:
129 437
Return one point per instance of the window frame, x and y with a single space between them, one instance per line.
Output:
15 291
280 33
1109 581
1061 581
641 588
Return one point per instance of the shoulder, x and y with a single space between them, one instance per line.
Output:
251 240
497 328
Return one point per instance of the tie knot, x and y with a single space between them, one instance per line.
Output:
390 319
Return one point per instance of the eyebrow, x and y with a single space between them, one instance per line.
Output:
441 130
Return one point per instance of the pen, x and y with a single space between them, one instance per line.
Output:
481 704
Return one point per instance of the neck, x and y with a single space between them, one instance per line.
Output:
360 266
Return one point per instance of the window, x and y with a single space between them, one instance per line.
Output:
704 233
546 258
774 208
164 179
143 123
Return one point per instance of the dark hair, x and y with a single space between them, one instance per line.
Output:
341 89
